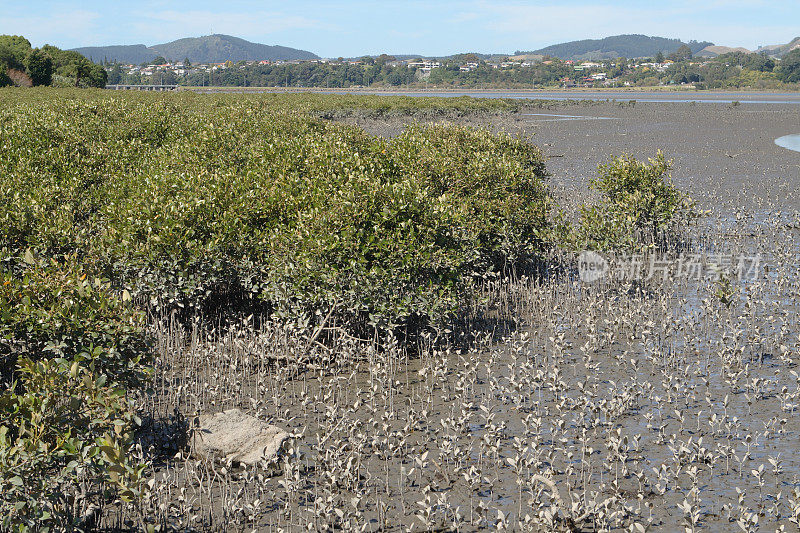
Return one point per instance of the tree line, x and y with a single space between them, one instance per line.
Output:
22 64
735 69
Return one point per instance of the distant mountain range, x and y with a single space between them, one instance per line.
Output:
780 50
218 48
209 49
775 50
630 46
714 51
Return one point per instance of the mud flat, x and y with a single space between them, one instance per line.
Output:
644 94
721 150
649 404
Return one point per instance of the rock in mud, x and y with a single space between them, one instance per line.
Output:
235 436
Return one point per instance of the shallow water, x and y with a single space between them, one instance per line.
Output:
682 97
552 117
620 96
790 142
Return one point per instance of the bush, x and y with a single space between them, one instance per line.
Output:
492 185
639 205
69 347
39 67
51 313
789 70
65 438
232 206
429 211
223 206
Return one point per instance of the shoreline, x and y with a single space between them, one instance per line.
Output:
402 90
664 95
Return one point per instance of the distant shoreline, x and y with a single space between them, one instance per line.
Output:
638 95
403 90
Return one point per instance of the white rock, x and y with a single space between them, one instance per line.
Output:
234 436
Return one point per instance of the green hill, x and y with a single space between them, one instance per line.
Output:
130 54
617 46
209 49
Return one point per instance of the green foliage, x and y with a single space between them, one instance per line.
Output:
725 291
200 203
87 74
68 348
497 184
39 67
790 66
42 64
681 54
618 45
62 427
757 62
415 220
13 50
48 312
638 205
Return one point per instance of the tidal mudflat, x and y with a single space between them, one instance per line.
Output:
255 266
664 402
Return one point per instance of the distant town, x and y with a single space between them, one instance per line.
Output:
735 69
619 61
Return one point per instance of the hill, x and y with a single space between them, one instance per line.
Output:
714 51
780 50
209 49
135 53
616 46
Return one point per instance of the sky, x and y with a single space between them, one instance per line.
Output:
355 27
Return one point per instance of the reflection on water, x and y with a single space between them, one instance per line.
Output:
792 142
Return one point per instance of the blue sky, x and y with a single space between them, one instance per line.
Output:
355 27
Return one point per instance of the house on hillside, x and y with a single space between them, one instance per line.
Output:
424 65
